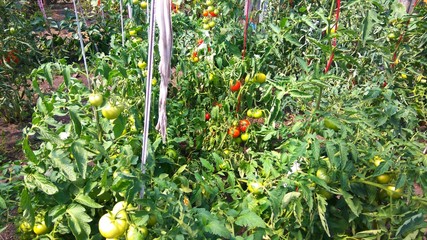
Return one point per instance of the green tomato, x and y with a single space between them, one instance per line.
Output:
111 112
322 173
152 220
40 228
250 113
206 26
143 4
257 114
394 193
113 225
135 233
244 137
391 36
122 205
135 1
255 187
142 64
211 24
209 2
132 33
384 178
260 77
25 226
96 99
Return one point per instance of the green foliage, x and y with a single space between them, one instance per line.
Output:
314 154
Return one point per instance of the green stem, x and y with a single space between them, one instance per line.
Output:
319 97
98 124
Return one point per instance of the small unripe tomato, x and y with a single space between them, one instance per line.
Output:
245 137
96 99
143 4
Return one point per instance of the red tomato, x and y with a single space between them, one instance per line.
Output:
243 125
213 14
11 57
200 42
235 87
234 132
205 13
207 116
194 54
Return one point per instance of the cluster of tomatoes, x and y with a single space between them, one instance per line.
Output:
385 178
209 14
110 110
115 224
258 78
142 4
240 129
39 228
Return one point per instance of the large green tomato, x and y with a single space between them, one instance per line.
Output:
257 114
394 193
111 112
122 205
260 77
113 225
40 228
135 233
95 99
322 173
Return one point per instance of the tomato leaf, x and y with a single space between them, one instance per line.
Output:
28 151
416 221
218 228
250 219
76 123
367 26
48 74
26 206
355 206
60 160
42 183
87 201
119 126
321 209
2 203
57 212
67 75
207 165
80 154
78 221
